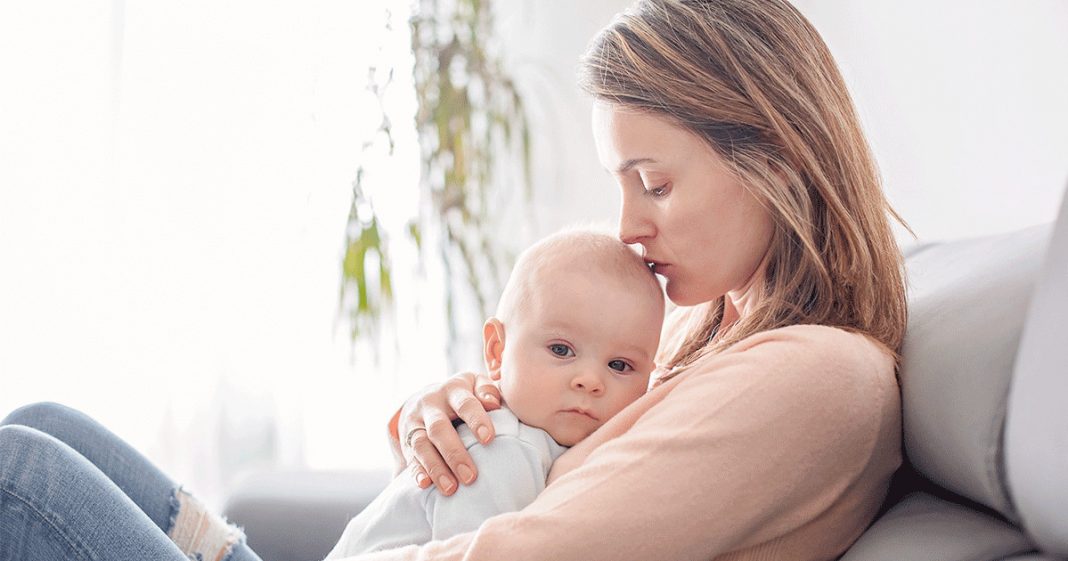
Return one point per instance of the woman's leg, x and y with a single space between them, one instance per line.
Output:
138 478
179 515
55 504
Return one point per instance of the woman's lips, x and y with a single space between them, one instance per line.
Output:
659 268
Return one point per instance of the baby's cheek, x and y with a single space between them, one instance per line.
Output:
516 396
524 404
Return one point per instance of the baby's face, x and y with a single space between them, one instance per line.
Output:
579 352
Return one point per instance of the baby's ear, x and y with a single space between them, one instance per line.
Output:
493 346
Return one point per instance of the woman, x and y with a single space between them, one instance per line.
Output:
774 426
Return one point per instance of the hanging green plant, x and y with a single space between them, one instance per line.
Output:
366 279
364 239
471 126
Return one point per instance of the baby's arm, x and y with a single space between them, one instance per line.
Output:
511 474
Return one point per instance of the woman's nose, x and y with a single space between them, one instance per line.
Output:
587 381
633 225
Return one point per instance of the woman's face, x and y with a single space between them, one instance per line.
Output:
701 228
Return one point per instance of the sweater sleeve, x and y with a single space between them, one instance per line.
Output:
746 446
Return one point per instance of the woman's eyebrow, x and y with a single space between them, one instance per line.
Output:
627 165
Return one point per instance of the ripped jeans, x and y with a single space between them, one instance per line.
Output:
71 489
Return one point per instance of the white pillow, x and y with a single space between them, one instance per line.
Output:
967 303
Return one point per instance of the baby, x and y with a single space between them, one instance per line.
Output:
571 345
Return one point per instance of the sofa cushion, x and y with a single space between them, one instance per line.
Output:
1036 430
925 528
967 304
298 515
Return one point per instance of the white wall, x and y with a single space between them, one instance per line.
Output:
965 103
545 40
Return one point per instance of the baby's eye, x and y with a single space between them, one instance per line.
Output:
619 365
561 350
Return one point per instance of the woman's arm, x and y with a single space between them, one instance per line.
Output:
785 442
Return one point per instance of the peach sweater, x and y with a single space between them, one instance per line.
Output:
779 448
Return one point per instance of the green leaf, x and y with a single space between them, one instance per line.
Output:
464 142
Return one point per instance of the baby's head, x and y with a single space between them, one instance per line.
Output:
575 333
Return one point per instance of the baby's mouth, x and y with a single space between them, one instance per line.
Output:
581 411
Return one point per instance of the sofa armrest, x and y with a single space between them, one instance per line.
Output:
299 515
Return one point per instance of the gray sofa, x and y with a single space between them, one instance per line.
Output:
984 383
984 387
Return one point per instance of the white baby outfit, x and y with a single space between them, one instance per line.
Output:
511 472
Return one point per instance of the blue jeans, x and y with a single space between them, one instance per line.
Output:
71 489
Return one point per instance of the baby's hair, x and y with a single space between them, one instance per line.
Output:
585 248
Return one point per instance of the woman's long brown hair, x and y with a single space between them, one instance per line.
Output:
755 80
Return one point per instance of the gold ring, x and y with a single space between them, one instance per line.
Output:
411 433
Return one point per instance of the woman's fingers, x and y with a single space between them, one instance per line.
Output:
449 462
411 426
429 440
419 474
472 412
487 392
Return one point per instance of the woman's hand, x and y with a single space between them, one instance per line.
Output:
428 441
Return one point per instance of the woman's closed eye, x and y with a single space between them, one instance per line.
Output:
658 192
561 350
620 365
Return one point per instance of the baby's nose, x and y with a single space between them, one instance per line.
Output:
588 382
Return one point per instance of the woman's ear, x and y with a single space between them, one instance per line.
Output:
493 346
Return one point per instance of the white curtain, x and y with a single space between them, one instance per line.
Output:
175 179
